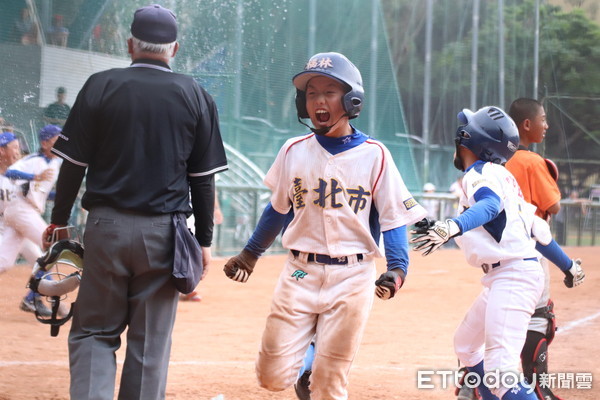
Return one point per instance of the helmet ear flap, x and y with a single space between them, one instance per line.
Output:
301 104
352 104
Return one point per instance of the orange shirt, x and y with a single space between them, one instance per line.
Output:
537 185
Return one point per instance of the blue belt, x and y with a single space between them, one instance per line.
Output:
325 259
486 267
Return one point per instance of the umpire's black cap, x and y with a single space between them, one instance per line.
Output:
154 24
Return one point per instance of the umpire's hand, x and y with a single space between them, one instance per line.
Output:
239 268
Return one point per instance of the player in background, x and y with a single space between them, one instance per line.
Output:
537 178
336 184
496 231
35 176
10 153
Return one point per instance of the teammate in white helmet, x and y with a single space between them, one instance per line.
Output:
496 230
338 186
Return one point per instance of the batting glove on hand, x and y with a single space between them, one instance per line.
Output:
389 283
430 239
240 267
575 275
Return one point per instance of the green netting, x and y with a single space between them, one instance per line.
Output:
245 52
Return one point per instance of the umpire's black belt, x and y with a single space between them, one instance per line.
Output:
488 267
325 259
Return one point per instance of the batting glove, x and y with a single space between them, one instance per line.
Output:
432 238
389 283
240 267
575 275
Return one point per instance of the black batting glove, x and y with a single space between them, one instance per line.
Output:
389 283
240 267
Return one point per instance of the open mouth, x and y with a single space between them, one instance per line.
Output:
322 115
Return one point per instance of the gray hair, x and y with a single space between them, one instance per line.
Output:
157 48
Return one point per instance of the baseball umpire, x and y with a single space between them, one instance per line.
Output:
349 185
147 137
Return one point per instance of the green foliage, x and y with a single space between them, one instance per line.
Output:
569 56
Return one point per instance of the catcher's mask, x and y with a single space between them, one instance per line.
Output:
56 273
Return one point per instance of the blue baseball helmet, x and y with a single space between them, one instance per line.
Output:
489 133
336 66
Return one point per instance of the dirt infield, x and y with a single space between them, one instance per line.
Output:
215 341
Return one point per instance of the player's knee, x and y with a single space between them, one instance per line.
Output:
466 353
270 376
271 386
272 382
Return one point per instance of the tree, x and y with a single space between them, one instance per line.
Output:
569 83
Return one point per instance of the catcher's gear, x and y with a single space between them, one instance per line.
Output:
53 233
430 239
552 168
489 133
337 66
575 275
547 312
465 392
55 284
534 359
389 283
240 267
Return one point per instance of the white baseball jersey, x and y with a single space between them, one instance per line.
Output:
332 196
508 236
495 326
7 192
38 190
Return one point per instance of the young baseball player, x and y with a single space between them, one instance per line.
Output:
495 231
35 176
10 153
537 178
336 183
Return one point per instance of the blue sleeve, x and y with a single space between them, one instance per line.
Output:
269 226
485 209
395 242
14 174
555 253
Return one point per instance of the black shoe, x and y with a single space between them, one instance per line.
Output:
301 386
36 304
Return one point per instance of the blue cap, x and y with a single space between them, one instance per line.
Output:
154 24
49 131
6 138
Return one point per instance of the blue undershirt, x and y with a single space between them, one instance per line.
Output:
272 222
553 252
15 174
487 208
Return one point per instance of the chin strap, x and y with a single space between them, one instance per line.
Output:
322 131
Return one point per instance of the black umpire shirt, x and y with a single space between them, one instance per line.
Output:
142 132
